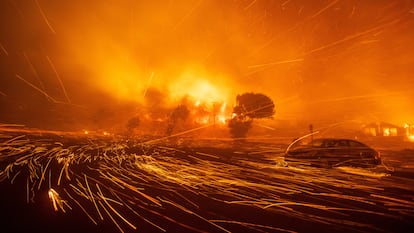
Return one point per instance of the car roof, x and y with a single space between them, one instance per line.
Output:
336 140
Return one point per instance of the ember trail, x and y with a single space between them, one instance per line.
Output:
167 187
188 116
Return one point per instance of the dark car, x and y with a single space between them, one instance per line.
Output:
330 152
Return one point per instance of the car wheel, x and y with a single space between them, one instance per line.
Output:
323 162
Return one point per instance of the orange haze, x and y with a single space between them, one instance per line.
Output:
324 60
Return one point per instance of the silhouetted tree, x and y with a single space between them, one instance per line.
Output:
254 105
239 126
249 106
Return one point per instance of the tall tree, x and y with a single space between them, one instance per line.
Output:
249 106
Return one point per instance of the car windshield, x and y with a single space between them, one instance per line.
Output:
317 143
305 143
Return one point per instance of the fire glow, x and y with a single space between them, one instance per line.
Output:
111 108
349 57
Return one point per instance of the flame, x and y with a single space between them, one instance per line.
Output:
222 119
197 103
209 93
216 113
200 85
387 132
125 83
409 131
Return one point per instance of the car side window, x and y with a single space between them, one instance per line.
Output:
330 143
355 144
343 143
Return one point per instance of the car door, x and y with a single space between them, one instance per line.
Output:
341 151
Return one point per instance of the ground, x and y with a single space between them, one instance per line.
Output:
71 183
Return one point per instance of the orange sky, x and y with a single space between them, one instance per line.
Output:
318 60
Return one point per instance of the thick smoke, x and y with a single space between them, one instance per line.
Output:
180 113
90 64
132 124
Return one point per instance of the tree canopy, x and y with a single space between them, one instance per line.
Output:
254 105
249 106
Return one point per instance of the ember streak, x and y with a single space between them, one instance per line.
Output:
124 113
87 64
159 186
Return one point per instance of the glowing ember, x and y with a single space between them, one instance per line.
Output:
125 183
57 202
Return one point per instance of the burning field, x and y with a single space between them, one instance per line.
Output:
67 182
175 116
